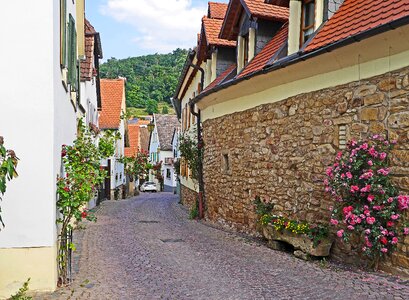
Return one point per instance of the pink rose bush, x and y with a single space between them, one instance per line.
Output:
366 202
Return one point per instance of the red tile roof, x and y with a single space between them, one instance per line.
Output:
144 139
133 135
269 50
256 8
356 16
260 9
86 66
221 78
112 95
212 30
217 10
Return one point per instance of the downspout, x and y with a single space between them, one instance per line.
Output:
199 143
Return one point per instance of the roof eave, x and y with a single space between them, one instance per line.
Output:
301 56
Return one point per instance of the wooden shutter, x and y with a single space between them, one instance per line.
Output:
63 33
72 54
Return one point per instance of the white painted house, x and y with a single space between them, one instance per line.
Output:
113 104
90 91
161 150
39 99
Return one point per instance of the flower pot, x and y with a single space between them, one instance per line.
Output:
298 241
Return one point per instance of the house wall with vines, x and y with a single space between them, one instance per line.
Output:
280 151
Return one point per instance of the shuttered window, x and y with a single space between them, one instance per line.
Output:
72 54
63 33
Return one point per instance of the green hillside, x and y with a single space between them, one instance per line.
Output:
151 79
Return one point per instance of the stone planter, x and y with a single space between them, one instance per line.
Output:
303 245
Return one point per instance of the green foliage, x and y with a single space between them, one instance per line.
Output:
83 174
194 212
134 112
106 145
266 218
165 110
150 77
8 164
137 166
188 148
152 107
21 294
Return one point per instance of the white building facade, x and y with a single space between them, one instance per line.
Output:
39 108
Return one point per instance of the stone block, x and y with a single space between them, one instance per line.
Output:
369 114
301 255
387 84
399 120
359 127
374 99
377 127
365 90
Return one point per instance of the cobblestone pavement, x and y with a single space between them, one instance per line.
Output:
146 248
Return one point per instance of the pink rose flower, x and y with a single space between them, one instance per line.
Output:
350 227
367 231
354 188
406 231
384 250
349 175
376 207
370 163
382 156
371 198
390 224
334 222
383 171
366 189
395 217
340 233
403 202
370 220
394 241
390 200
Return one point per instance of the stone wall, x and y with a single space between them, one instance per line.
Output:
280 151
188 197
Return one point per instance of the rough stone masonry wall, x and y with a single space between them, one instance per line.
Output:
188 196
280 151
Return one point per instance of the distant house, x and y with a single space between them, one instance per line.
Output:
160 147
113 104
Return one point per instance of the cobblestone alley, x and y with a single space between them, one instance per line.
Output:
146 248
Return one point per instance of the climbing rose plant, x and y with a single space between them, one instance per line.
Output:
137 166
8 164
367 204
78 186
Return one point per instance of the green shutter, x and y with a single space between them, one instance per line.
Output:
63 33
72 54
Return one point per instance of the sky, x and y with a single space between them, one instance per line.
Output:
137 27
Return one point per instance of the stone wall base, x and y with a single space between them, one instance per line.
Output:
188 197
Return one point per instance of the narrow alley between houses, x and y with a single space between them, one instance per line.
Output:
147 248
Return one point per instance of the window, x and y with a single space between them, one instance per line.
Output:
307 20
226 167
168 174
245 49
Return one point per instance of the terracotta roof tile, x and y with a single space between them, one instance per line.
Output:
256 8
112 95
260 9
217 10
356 16
86 67
269 50
144 141
212 30
221 78
133 135
166 125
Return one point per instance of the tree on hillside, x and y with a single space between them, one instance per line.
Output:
152 107
153 77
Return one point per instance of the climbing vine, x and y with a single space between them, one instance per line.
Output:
83 174
188 148
8 164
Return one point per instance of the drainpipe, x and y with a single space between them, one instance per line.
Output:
199 144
